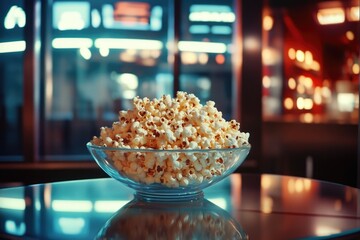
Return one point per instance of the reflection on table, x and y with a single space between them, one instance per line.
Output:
241 206
153 220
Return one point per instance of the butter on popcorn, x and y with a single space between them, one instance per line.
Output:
171 124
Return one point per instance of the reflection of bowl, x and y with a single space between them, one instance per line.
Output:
168 174
192 220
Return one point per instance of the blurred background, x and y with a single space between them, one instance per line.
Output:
287 70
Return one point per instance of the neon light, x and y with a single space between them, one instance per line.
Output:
129 80
118 43
15 16
104 52
95 18
221 30
134 16
15 229
71 15
15 46
209 8
199 29
209 47
85 53
71 20
62 43
212 17
156 18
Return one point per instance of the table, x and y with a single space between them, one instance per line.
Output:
254 206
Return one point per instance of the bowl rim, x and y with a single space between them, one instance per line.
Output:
92 146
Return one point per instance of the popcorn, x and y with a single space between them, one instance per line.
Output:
169 124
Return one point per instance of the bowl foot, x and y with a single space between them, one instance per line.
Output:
169 197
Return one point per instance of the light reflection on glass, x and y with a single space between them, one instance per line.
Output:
12 203
17 229
71 206
109 206
71 226
220 202
321 230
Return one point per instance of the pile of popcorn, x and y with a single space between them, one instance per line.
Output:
171 124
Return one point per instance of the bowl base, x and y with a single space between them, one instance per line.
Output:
169 197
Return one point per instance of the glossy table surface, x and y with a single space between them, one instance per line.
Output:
239 207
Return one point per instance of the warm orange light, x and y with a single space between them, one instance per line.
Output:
270 56
132 9
220 59
317 95
300 103
355 68
288 103
350 35
308 118
308 103
126 57
188 58
252 43
266 81
266 182
155 53
308 82
300 89
353 14
300 56
315 66
308 58
292 54
327 16
203 58
325 92
292 83
268 23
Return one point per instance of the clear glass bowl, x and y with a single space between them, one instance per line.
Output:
168 175
190 220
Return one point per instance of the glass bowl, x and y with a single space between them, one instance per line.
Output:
191 220
168 175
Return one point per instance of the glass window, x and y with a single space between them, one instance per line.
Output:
12 46
311 89
311 62
114 51
205 51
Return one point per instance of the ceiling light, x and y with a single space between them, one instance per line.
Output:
353 13
330 16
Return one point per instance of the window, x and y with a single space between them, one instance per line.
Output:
96 56
12 46
114 51
205 46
